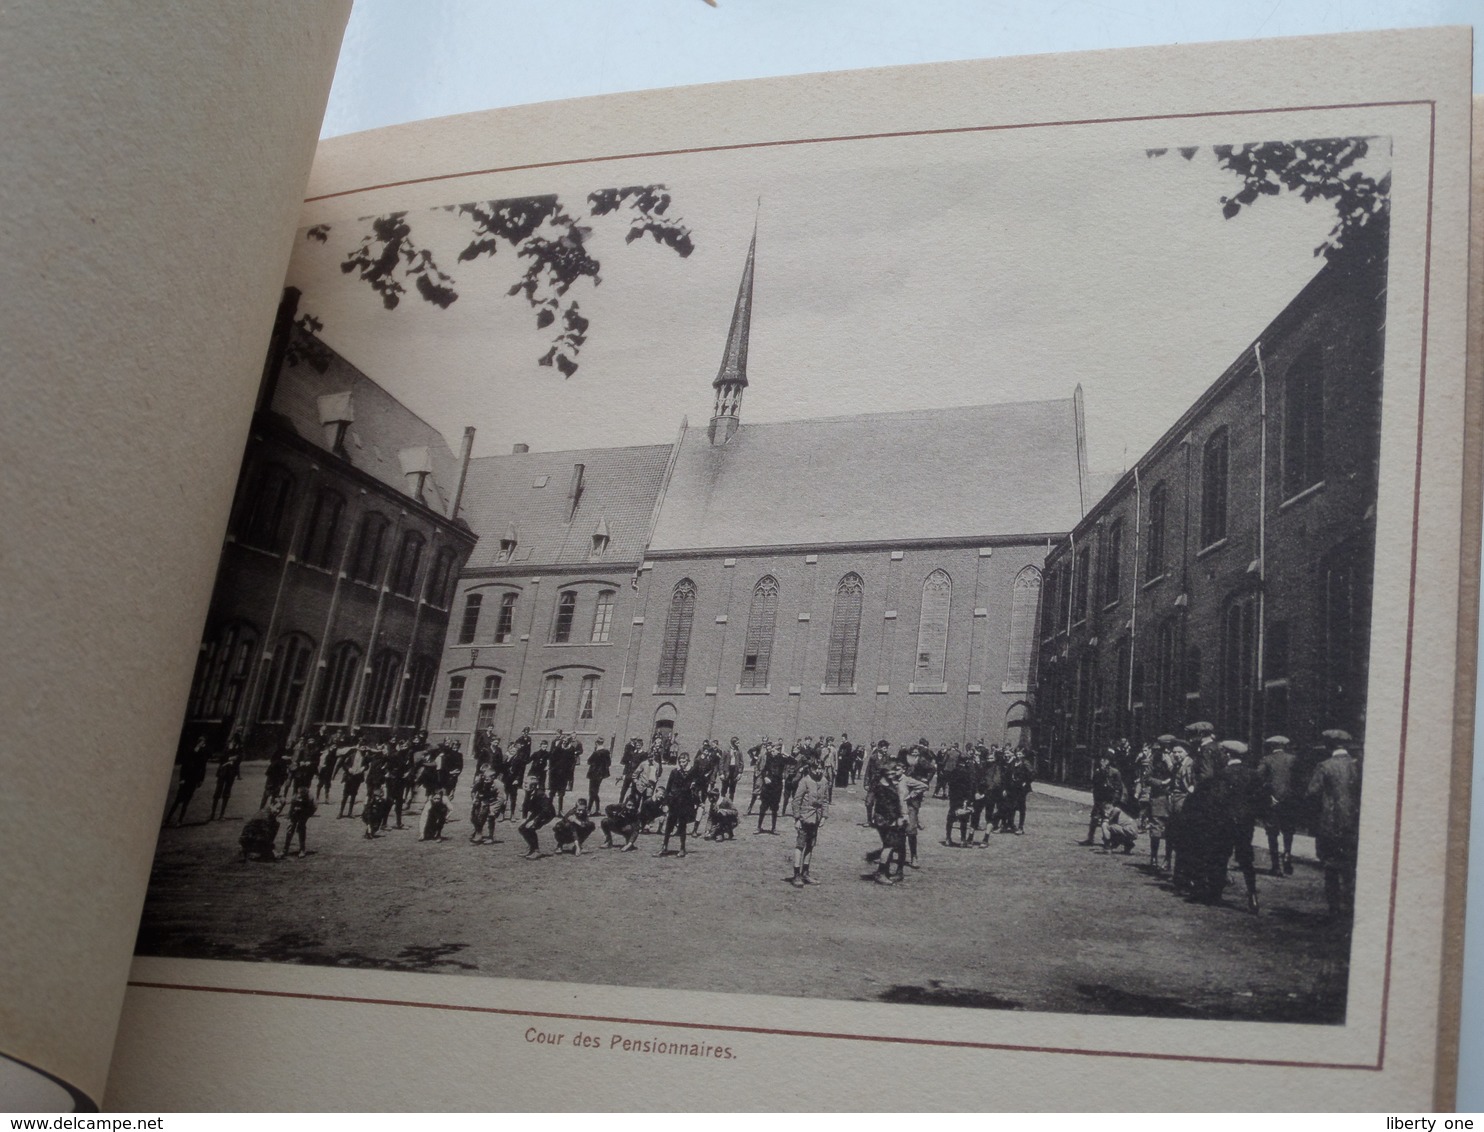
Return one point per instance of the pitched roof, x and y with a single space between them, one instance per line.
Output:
384 437
619 489
975 472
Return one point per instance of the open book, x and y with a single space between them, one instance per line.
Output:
975 599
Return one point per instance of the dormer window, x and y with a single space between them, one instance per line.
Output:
600 541
336 415
507 545
417 466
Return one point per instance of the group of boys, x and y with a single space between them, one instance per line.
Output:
1201 798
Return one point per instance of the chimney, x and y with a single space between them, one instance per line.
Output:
574 492
278 345
520 449
465 451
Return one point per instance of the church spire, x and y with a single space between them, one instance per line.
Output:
731 379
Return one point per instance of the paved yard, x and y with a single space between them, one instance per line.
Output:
1029 923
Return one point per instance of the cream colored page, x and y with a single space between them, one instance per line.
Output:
154 160
469 1038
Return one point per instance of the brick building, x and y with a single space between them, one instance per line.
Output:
871 574
332 593
1227 575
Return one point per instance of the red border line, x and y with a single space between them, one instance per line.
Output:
1407 668
509 1011
1401 760
941 132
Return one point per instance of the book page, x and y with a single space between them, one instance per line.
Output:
1002 472
154 161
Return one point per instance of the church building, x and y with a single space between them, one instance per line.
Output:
877 575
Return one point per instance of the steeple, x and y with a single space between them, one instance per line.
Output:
731 379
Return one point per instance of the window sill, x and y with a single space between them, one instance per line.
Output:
926 689
662 690
1014 688
578 645
762 691
1212 548
1155 580
1311 490
840 690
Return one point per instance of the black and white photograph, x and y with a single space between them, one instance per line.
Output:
931 571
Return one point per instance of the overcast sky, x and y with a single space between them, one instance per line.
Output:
933 273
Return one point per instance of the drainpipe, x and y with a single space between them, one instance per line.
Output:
465 451
1262 528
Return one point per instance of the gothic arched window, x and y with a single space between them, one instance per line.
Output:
1025 594
845 632
381 688
676 646
932 632
292 656
339 678
757 651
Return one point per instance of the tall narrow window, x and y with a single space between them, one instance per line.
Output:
1169 710
505 626
1238 668
264 519
1112 562
1123 723
1214 488
322 534
366 563
409 556
381 688
587 702
757 649
453 703
676 645
469 624
932 632
1347 601
1024 596
489 701
1049 606
441 587
551 698
287 676
845 632
222 672
338 682
1303 422
417 690
561 629
603 617
1081 570
1154 548
1083 713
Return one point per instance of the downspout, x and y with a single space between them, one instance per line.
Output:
465 451
1133 620
1260 691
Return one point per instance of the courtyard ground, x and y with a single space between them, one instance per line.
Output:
1033 922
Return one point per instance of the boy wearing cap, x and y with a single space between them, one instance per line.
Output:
1280 817
811 801
1336 784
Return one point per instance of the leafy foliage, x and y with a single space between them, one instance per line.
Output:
308 348
1317 169
542 232
387 254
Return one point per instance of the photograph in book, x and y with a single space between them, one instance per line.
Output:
933 571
